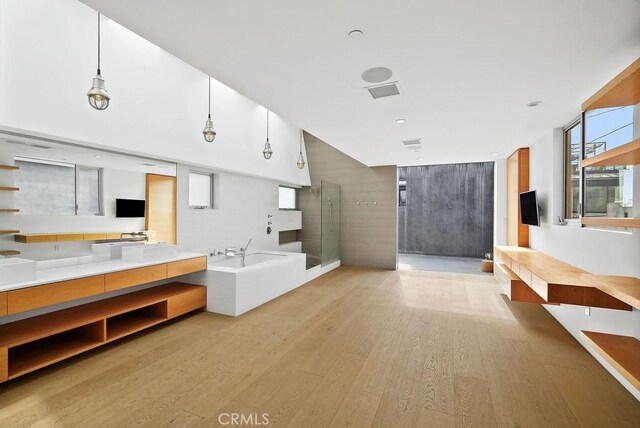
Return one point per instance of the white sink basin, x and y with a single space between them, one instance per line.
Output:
17 270
148 253
111 250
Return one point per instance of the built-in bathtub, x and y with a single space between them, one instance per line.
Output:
233 289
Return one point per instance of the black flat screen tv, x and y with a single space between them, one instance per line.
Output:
130 208
529 211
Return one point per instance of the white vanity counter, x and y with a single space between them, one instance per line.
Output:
75 271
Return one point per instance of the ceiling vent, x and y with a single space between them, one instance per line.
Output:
413 142
383 91
38 146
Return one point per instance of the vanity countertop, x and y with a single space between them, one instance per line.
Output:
64 273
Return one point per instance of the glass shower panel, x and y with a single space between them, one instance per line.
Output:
330 230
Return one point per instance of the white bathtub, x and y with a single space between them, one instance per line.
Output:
234 290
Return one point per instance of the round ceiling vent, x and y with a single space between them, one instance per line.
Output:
376 75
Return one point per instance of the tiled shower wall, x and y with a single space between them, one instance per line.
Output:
368 207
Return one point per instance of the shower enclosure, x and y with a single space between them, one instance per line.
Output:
330 219
320 233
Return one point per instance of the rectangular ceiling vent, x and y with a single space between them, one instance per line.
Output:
413 142
383 91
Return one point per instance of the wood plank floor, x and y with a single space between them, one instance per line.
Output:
356 347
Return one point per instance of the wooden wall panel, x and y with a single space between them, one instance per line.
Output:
517 182
160 215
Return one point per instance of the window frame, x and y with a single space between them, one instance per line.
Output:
295 193
76 185
211 183
577 121
100 171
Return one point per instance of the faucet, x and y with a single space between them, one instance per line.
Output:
132 235
244 251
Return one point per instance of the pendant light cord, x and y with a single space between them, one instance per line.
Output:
267 126
98 43
300 141
209 97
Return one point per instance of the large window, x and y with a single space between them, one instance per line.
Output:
604 191
200 190
287 198
48 187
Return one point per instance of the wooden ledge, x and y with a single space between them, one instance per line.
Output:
622 352
625 288
622 90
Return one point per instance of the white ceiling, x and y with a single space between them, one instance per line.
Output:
466 69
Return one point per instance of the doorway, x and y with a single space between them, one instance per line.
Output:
445 216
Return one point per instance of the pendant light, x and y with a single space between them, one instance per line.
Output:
300 162
267 152
208 131
97 95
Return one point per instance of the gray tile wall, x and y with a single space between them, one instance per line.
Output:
368 231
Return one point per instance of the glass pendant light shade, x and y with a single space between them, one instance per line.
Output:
208 132
267 152
97 95
300 162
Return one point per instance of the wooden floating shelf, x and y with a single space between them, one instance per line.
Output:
9 167
622 90
8 231
622 352
9 189
554 281
627 222
625 288
9 252
627 154
9 210
36 342
39 238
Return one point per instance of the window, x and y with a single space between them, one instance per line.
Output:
608 190
598 191
48 187
200 190
402 193
287 198
572 144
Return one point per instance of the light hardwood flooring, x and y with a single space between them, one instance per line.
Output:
356 347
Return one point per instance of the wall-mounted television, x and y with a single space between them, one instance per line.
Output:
130 208
529 210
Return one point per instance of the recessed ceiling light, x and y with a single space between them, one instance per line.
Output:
401 120
376 74
494 153
97 156
420 158
534 103
355 34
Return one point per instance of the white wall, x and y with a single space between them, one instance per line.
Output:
500 203
159 103
597 251
241 208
